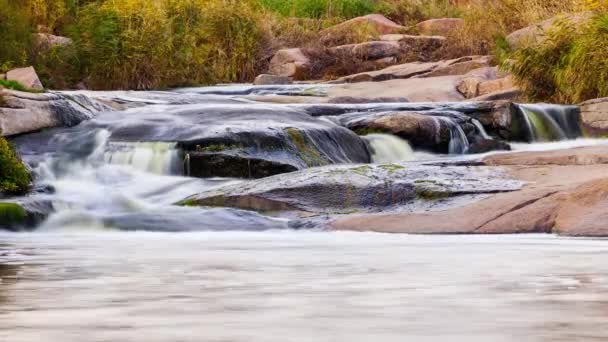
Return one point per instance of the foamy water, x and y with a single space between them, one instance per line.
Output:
300 286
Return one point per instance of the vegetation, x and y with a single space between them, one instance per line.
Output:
14 175
143 44
12 85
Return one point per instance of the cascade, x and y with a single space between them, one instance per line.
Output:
155 157
459 144
547 122
388 148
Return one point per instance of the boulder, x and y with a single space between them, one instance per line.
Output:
457 66
25 76
594 117
511 94
441 27
48 41
537 33
22 112
341 189
416 48
267 79
245 140
367 51
370 26
291 63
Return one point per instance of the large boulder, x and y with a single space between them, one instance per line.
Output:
290 63
486 81
368 51
25 76
22 112
246 140
441 27
343 189
361 28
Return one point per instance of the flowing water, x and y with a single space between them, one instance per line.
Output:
300 286
117 261
547 122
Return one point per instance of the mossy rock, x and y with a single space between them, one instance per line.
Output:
12 216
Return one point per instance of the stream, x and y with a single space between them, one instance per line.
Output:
117 260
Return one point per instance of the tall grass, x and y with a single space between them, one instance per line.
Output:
320 8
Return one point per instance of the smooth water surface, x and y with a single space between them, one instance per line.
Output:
300 286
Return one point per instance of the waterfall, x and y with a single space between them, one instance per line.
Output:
160 158
459 144
546 122
388 148
480 129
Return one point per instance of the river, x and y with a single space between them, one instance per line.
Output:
117 261
300 286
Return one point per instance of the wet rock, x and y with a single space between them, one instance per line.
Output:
441 27
267 79
16 216
350 189
22 112
25 76
483 145
291 63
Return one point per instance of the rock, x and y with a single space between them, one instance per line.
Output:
266 79
474 87
368 50
343 189
511 94
441 27
2 76
457 66
537 33
551 201
416 48
236 139
594 117
348 99
291 63
15 216
25 76
431 89
370 25
22 112
48 41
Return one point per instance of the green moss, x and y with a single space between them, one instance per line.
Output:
430 194
308 154
219 147
391 168
14 175
12 215
369 130
14 85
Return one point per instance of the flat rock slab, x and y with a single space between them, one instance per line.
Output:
361 188
566 193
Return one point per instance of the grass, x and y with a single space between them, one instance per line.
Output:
14 85
320 8
570 66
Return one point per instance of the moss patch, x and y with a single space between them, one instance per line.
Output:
14 175
430 194
14 85
219 147
12 215
391 168
308 154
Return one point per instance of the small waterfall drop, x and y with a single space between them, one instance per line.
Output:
388 148
159 158
459 144
547 122
480 129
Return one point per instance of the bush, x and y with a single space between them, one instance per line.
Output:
14 175
571 66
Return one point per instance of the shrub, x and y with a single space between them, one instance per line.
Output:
14 175
570 66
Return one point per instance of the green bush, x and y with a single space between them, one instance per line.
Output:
14 175
570 66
